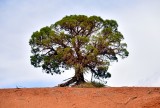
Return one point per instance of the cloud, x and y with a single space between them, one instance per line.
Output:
153 80
140 27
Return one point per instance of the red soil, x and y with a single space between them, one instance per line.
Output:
122 97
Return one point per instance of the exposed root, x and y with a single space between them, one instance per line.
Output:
71 81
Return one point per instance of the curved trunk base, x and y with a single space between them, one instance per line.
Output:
76 80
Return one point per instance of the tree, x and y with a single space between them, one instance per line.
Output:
87 44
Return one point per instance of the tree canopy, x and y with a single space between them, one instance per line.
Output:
86 44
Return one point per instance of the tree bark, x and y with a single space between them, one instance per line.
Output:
77 79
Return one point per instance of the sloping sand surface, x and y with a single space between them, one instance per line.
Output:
110 97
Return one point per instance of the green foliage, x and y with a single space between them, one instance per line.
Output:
79 42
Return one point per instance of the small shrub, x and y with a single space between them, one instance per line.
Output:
90 85
97 84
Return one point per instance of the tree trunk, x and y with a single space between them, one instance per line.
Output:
78 78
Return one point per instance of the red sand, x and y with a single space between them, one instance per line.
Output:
110 97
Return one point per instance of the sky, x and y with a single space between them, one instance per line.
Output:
138 21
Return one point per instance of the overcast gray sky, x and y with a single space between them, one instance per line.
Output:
138 21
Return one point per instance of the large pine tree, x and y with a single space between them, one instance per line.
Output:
87 44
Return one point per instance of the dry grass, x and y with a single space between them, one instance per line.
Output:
90 85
